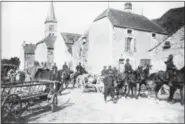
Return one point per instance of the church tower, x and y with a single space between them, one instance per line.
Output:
50 34
51 22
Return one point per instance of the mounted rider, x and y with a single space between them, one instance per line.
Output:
110 70
146 70
79 68
104 71
128 69
65 67
170 67
54 67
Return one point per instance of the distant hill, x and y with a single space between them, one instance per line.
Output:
172 20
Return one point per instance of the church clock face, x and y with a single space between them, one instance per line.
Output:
51 27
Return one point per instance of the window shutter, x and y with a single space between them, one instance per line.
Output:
126 44
134 45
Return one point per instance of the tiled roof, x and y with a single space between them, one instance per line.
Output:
50 40
29 48
70 37
130 20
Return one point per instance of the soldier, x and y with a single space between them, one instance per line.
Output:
104 71
65 67
170 67
147 70
79 68
109 70
54 67
115 72
128 69
108 86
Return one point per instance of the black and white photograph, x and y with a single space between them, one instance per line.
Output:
92 61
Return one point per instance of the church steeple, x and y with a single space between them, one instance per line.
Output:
51 15
51 22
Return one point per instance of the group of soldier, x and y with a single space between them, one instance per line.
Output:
110 75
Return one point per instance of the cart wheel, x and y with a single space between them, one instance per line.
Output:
11 106
54 103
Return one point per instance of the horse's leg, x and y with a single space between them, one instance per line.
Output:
60 88
74 81
135 90
172 91
182 96
128 86
132 90
117 91
139 88
157 88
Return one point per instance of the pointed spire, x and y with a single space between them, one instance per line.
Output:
51 14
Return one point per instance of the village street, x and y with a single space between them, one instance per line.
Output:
91 108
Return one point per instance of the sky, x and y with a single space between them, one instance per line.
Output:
24 21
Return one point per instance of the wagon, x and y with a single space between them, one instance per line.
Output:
16 98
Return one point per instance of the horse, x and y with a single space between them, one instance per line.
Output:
119 83
76 74
160 78
65 77
142 78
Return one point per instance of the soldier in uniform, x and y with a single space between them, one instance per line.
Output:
104 71
128 69
170 67
79 68
65 67
54 67
110 70
108 86
115 72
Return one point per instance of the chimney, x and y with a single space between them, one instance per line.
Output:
128 7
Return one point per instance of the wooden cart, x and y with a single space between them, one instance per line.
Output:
16 98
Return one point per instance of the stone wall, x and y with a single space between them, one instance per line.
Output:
160 55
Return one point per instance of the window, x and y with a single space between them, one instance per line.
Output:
144 62
129 31
128 44
166 45
153 35
51 27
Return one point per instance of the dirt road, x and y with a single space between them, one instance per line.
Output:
91 108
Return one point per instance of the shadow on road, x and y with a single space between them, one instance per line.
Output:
40 113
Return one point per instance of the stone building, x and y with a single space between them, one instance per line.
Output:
70 39
29 55
115 33
80 50
173 44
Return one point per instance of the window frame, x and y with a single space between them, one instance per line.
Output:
154 37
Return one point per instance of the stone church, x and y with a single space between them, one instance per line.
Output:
51 49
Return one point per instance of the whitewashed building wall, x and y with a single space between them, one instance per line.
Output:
41 53
141 42
100 45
